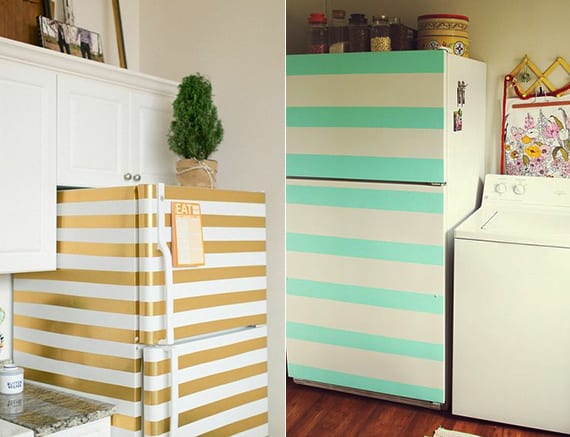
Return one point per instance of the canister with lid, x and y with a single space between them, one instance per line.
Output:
380 40
317 35
358 33
11 379
444 30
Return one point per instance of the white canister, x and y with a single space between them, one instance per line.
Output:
11 379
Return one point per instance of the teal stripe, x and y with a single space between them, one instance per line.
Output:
365 383
351 247
369 342
360 198
423 61
380 297
366 117
365 168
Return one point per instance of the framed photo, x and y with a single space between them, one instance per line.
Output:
65 38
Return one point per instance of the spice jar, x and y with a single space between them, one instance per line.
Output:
338 32
358 33
317 33
380 40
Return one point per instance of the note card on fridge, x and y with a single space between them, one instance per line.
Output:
187 239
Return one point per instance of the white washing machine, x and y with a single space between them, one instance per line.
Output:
511 314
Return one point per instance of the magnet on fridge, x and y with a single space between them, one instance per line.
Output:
457 120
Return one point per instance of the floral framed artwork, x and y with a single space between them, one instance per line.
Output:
536 137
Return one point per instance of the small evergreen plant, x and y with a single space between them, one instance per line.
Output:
195 130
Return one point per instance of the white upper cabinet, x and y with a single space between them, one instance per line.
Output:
27 168
151 115
93 132
110 134
71 122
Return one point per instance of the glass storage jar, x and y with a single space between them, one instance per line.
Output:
317 34
380 40
338 32
358 33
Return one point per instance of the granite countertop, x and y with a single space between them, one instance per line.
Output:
46 410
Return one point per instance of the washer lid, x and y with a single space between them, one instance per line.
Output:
518 225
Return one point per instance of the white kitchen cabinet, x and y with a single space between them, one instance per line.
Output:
151 115
93 132
111 135
27 167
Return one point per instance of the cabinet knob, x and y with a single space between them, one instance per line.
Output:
137 177
127 176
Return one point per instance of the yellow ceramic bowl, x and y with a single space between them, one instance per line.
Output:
444 30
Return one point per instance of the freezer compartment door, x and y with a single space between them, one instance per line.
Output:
215 386
366 116
366 288
227 288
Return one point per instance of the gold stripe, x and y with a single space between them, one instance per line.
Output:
195 303
221 405
233 246
146 191
218 325
126 422
75 329
152 337
77 302
210 274
186 193
96 249
155 368
232 221
97 221
219 379
93 276
218 353
101 194
239 426
157 397
156 428
151 278
72 356
152 308
148 220
85 385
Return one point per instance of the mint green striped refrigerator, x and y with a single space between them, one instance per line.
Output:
385 156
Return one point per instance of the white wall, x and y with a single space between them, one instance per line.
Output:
240 46
501 33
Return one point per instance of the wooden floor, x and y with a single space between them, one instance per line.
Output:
318 412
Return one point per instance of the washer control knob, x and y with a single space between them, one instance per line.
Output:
500 188
518 189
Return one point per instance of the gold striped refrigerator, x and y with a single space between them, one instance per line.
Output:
158 305
385 156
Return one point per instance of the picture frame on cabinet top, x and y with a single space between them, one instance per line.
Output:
65 38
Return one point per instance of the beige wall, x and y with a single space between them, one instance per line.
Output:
501 33
240 46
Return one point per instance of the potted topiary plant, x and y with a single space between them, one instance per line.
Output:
195 132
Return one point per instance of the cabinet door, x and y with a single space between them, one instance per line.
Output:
27 168
93 133
153 161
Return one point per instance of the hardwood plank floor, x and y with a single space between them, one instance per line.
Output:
315 412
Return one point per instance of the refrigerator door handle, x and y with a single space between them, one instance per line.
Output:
162 210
